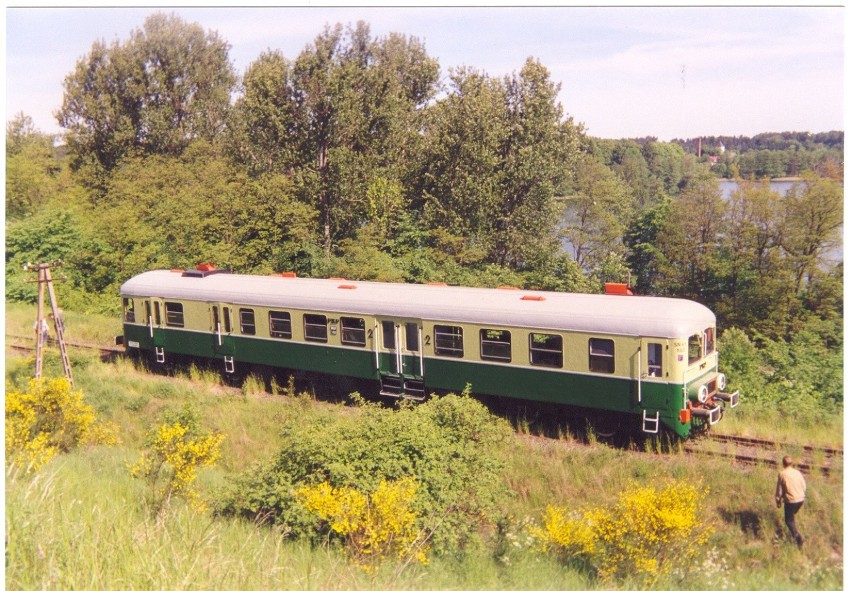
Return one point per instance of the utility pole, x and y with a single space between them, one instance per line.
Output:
45 280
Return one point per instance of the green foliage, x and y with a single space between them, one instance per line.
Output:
32 170
447 444
165 87
597 213
801 379
496 154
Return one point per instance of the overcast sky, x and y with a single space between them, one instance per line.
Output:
669 72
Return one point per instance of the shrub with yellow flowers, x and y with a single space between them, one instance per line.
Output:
646 533
373 526
49 418
174 453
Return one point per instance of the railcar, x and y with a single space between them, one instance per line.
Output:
648 359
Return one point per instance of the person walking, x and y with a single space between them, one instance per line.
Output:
790 490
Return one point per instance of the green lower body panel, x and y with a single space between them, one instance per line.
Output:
598 392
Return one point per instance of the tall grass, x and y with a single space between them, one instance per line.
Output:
81 522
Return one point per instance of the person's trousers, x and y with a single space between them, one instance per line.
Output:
790 510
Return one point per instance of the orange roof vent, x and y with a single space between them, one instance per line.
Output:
206 267
617 289
347 286
533 298
288 274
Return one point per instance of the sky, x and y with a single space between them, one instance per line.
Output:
625 72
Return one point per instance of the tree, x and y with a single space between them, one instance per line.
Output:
262 131
537 154
665 161
811 227
645 258
754 272
31 168
597 213
690 241
497 153
459 185
340 119
165 87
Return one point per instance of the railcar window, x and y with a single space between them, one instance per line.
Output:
280 326
247 325
655 360
546 349
602 355
316 328
449 341
352 332
695 348
709 341
226 315
174 314
495 345
157 320
412 336
129 313
148 312
389 334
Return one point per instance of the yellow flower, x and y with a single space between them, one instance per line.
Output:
49 418
170 464
646 532
373 526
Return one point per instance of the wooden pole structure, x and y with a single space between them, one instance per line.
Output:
40 322
45 280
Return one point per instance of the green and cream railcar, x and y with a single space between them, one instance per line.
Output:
650 358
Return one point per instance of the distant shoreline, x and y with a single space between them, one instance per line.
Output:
781 179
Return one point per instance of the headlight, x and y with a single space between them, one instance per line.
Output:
698 394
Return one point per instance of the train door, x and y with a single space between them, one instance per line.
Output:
154 320
400 358
221 327
651 370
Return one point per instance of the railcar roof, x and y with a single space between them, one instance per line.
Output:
607 314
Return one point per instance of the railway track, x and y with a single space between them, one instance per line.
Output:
106 353
768 452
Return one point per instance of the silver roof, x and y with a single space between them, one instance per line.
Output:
606 314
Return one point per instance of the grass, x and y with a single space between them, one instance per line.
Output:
80 523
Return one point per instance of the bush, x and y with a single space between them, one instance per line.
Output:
50 418
449 445
645 534
174 453
802 378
